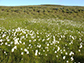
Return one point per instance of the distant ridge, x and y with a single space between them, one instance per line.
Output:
44 5
58 5
50 5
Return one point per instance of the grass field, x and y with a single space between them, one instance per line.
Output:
42 34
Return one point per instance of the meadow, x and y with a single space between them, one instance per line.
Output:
41 34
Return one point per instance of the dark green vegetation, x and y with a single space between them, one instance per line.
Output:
44 11
42 34
25 13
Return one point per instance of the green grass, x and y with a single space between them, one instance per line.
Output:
38 36
44 11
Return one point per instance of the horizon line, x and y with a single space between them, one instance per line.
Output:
41 4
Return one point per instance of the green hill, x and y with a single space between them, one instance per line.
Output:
42 34
44 11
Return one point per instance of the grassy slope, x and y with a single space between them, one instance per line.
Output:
70 23
23 13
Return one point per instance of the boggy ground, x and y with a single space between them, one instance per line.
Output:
40 38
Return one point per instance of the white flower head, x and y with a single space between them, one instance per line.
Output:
36 52
72 58
22 53
71 53
64 57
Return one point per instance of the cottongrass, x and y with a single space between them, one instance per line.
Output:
40 44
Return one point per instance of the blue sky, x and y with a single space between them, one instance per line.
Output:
38 2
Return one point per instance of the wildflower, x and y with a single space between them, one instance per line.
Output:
22 37
64 57
1 40
45 54
22 53
16 41
39 39
51 43
4 51
12 49
59 38
72 58
21 48
32 37
25 49
21 58
57 56
80 46
24 43
34 40
67 61
65 44
61 52
36 52
3 35
48 38
27 52
38 46
43 50
29 44
66 53
73 38
39 53
11 43
71 53
64 50
29 40
8 40
58 48
37 32
80 39
6 43
47 44
1 43
15 47
79 50
46 47
55 51
37 36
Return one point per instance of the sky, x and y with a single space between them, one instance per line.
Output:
40 2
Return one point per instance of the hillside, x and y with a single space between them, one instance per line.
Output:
42 34
44 11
